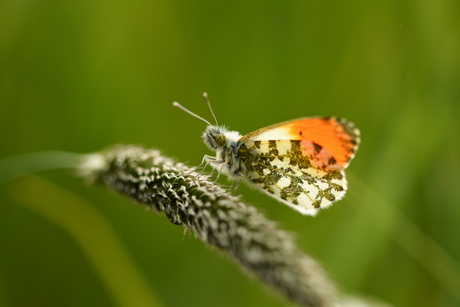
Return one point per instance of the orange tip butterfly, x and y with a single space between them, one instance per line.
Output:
299 162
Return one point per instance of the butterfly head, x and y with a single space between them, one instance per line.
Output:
216 137
213 137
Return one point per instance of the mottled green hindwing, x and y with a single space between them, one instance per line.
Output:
282 170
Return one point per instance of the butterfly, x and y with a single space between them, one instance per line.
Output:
299 162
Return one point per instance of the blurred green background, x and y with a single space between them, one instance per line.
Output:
81 75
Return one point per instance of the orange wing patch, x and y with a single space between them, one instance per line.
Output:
330 143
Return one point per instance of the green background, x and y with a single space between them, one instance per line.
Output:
81 75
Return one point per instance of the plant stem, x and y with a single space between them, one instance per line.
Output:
215 217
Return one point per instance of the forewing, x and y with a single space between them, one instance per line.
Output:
332 141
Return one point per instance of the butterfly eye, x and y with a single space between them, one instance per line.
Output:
220 139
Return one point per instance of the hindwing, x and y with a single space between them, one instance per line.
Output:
288 171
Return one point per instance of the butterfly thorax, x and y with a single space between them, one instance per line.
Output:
225 143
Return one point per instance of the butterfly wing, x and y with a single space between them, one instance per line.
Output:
301 162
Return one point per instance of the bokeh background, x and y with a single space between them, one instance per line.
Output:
78 76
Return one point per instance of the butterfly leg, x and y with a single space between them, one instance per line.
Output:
231 186
208 160
220 171
194 169
236 187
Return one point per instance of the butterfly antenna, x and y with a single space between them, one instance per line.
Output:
178 105
205 96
